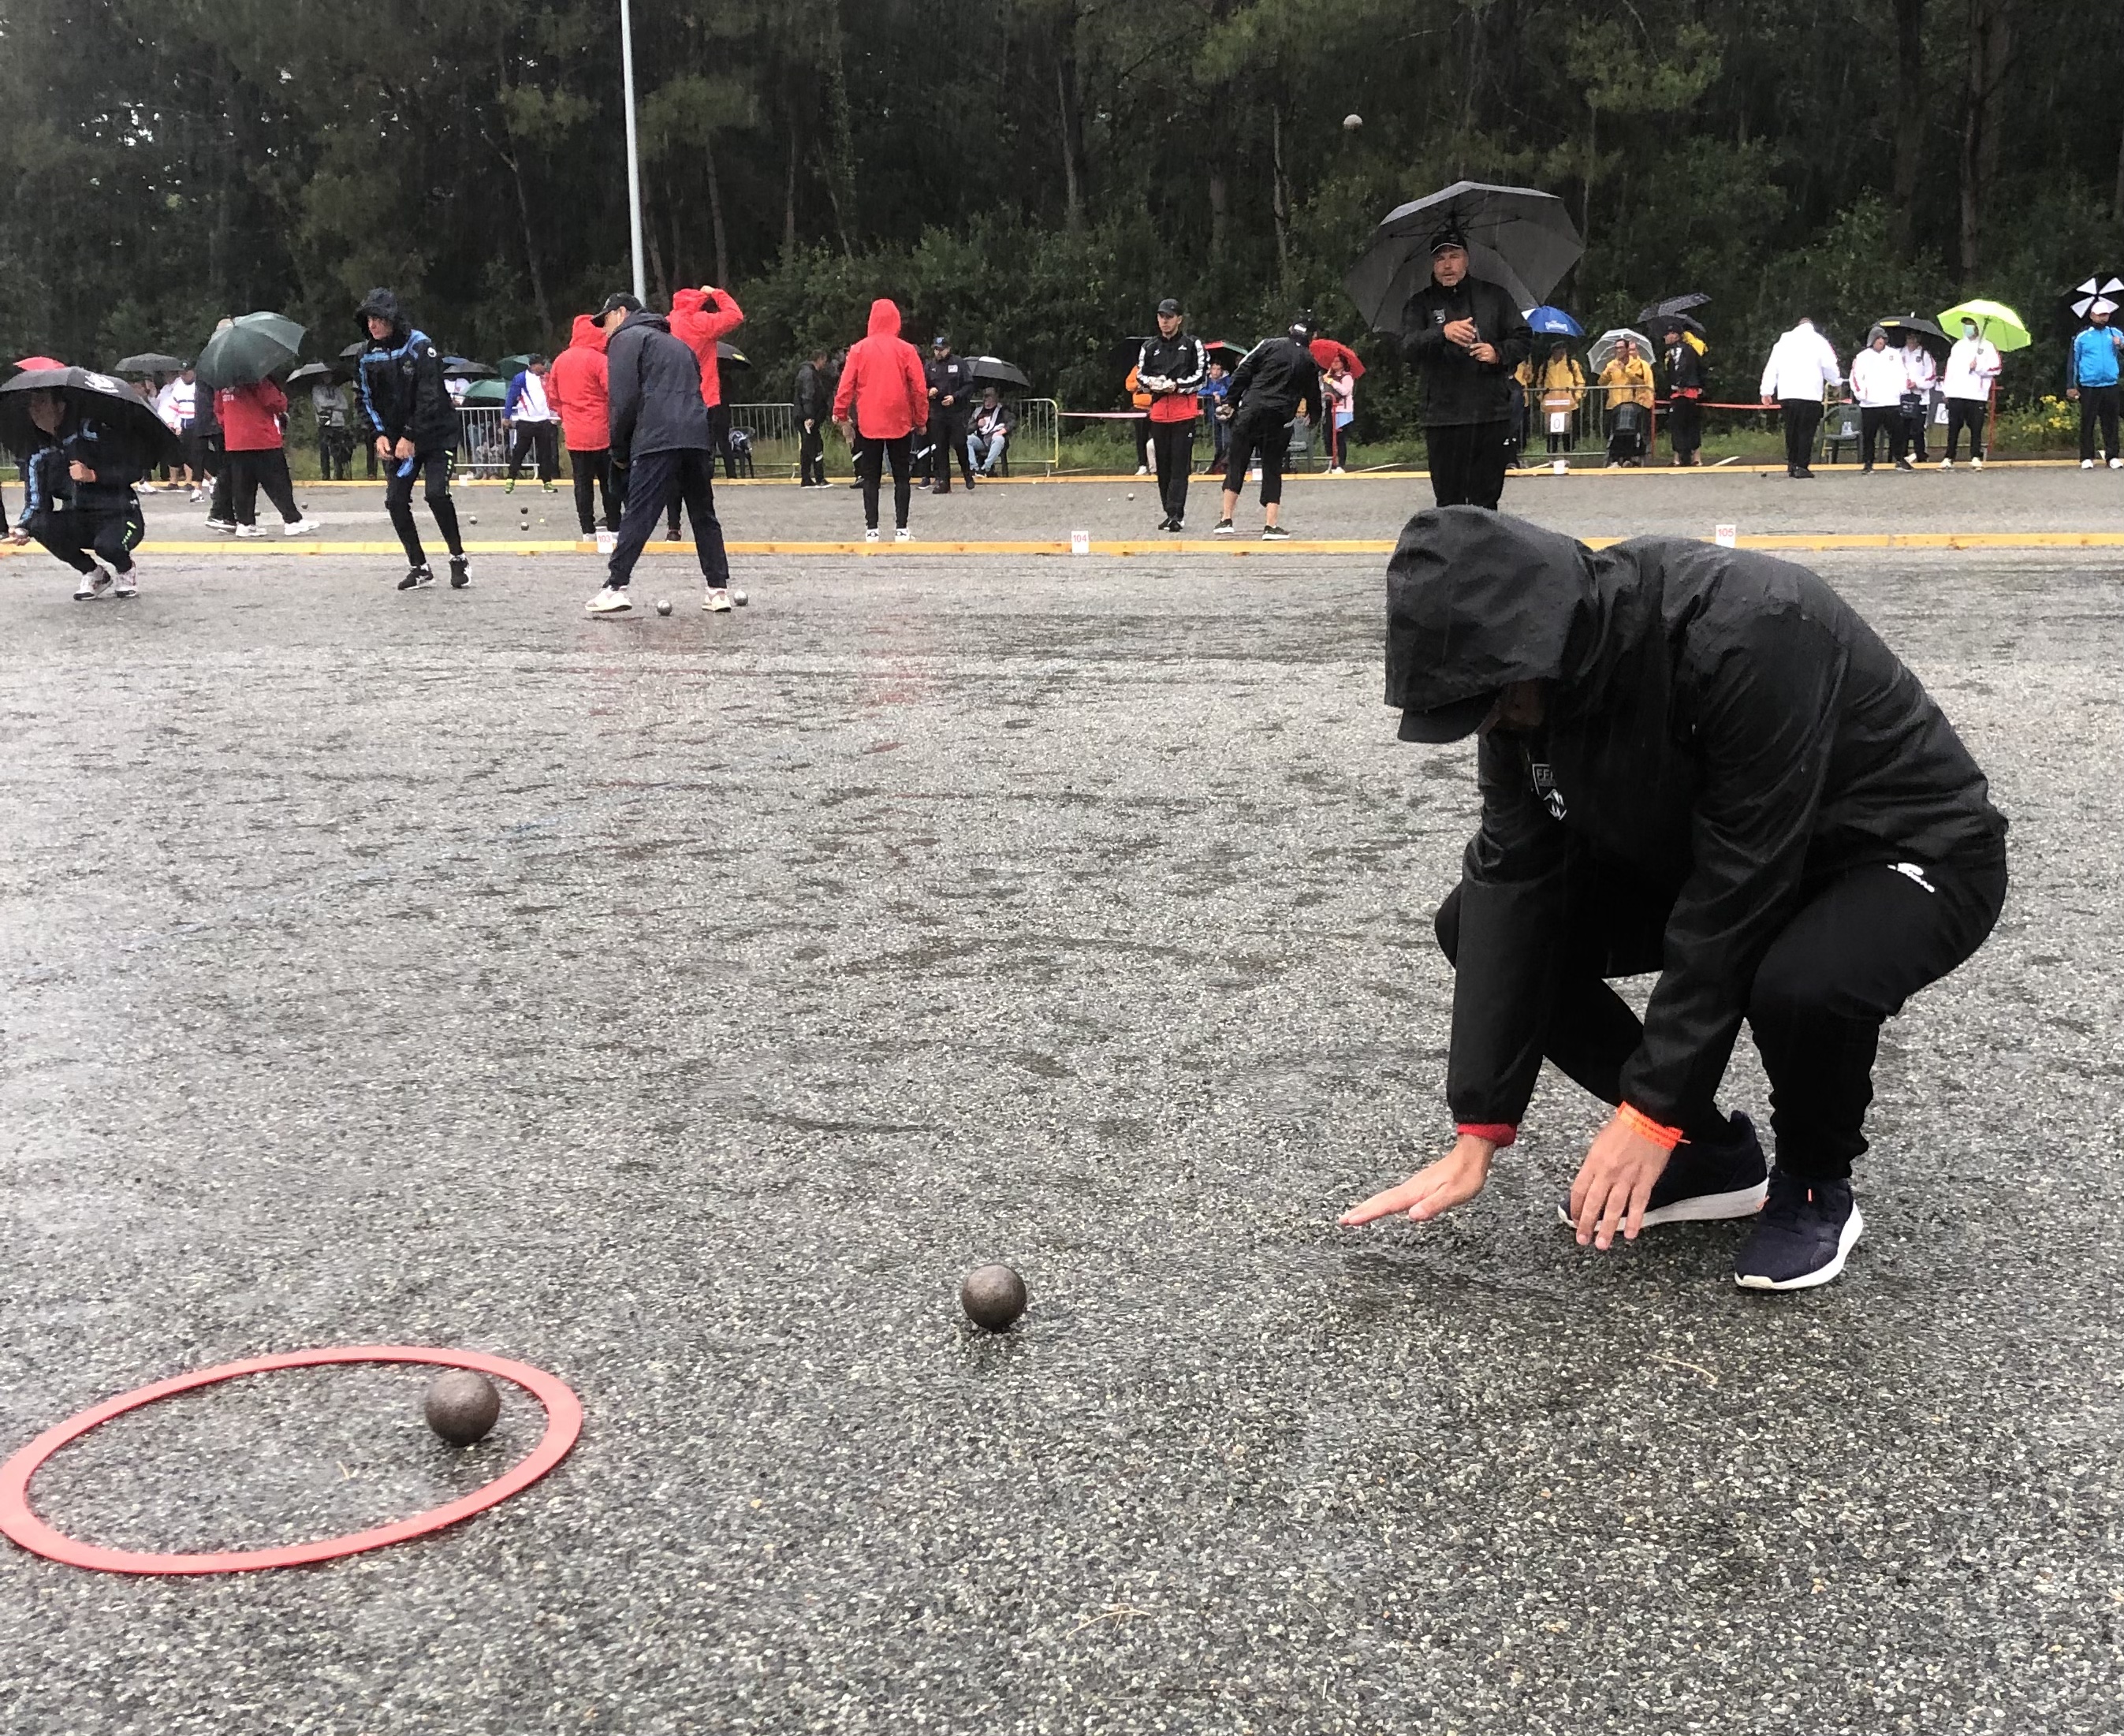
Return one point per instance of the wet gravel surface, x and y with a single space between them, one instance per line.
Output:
684 1005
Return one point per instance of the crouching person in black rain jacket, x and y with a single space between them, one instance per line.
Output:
1700 762
81 506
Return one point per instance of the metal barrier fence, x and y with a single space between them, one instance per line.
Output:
482 442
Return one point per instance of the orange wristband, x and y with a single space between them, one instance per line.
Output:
1666 1138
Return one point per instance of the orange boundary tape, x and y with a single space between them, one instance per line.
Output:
564 1422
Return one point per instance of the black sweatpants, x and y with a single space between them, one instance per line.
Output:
1684 426
1858 944
654 480
2098 402
542 438
948 428
81 538
1966 413
249 471
811 455
1875 420
870 470
1802 418
1268 435
592 473
1172 444
400 475
1467 461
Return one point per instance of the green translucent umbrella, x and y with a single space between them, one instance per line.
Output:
486 392
1995 320
247 349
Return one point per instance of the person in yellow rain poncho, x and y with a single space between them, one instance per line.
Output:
1628 383
1555 387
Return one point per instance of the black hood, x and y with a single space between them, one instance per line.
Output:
382 304
645 316
1476 600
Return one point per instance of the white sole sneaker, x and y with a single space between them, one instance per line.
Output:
903 536
1853 1226
302 528
1700 1208
870 536
608 601
716 602
127 585
249 533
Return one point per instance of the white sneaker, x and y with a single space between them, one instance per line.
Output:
250 533
2117 463
303 528
197 497
1143 470
1976 464
870 536
1335 470
607 541
147 488
612 600
126 583
92 585
903 535
2086 463
716 600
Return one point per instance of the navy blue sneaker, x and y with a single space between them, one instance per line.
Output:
1809 1229
1704 1182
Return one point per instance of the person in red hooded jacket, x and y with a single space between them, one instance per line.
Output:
884 386
701 319
251 435
577 386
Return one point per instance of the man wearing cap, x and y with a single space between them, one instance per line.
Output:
1464 337
2091 377
1700 762
1171 367
951 388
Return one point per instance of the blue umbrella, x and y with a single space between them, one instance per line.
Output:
1554 322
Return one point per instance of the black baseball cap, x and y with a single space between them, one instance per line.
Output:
1448 234
943 340
1168 306
618 299
1454 721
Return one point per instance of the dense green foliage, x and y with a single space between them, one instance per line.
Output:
1036 172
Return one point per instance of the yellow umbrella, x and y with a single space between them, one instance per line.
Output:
1995 320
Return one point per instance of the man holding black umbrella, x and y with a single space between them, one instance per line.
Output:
1464 337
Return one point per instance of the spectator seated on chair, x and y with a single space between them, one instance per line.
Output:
987 436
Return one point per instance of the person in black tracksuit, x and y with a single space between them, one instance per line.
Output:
660 433
951 391
1464 337
813 404
80 501
1699 762
406 400
1171 367
1277 380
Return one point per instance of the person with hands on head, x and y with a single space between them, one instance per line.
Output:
701 319
1464 337
1172 367
1701 763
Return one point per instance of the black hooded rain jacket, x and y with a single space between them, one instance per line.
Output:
402 392
1721 724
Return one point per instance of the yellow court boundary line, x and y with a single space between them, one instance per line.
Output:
1797 542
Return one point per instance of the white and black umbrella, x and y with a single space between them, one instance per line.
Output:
2105 286
1519 238
1603 351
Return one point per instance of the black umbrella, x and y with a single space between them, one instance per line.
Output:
1663 323
1124 351
457 368
128 418
1901 327
247 349
729 355
1654 311
995 368
1519 238
152 362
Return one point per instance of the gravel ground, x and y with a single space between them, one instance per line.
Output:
682 1006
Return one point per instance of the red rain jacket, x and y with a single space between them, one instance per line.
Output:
575 386
883 380
247 415
701 327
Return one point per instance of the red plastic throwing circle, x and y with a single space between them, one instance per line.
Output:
564 1422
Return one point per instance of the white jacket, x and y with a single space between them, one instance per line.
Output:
1877 379
1918 368
1971 366
1801 364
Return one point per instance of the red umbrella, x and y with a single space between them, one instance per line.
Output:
1326 350
38 361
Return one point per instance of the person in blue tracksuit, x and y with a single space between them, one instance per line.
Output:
81 506
2091 379
404 400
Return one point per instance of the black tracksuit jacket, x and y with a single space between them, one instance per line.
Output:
402 394
1721 724
814 396
1180 359
1458 390
1274 378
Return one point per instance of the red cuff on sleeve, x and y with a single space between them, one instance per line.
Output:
1666 1138
1499 1133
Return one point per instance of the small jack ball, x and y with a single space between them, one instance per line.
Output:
994 1296
739 597
1351 122
1131 494
461 1406
663 605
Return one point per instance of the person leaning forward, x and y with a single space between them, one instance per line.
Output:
1464 337
1702 762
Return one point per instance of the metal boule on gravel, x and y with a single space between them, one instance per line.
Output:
739 597
663 605
461 1406
994 1296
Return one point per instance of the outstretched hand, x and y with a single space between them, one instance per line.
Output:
1437 1187
1613 1183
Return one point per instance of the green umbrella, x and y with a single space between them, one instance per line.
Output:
513 365
486 392
1995 320
247 349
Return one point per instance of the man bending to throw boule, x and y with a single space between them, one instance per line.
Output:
1699 762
